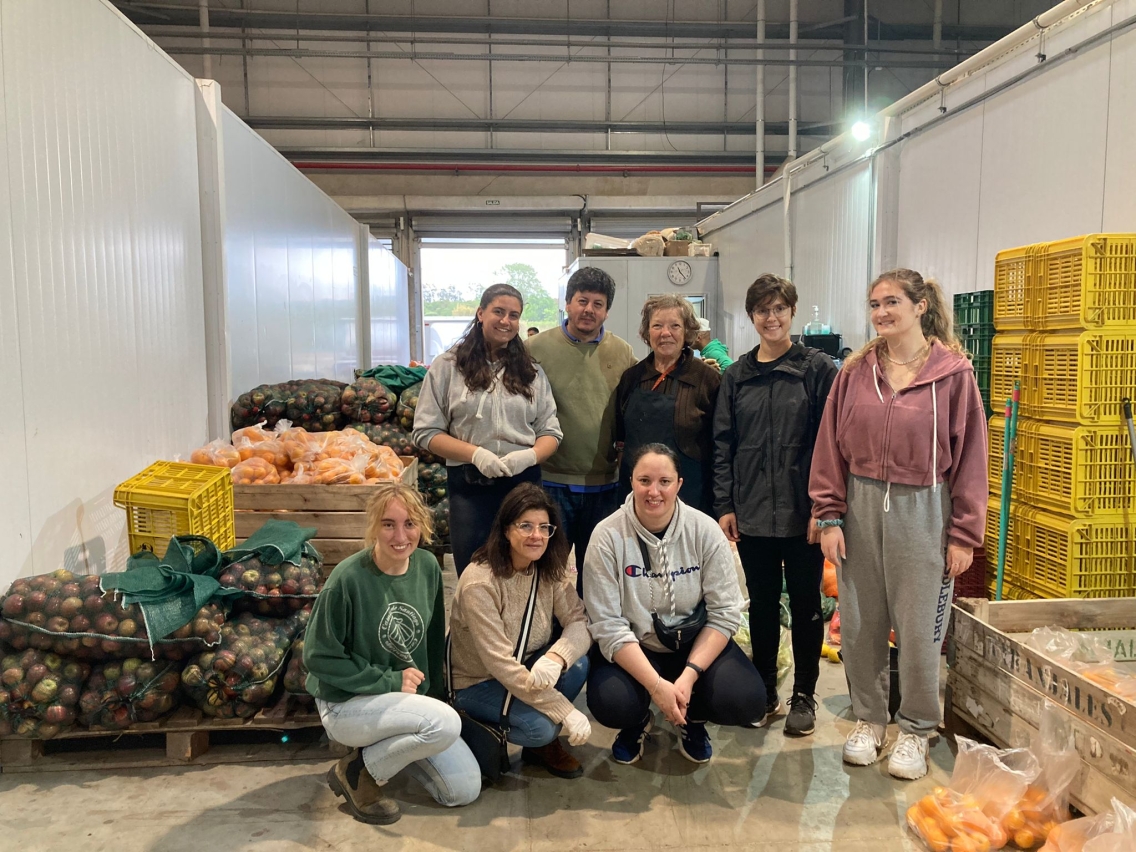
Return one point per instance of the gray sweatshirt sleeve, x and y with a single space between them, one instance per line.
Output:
602 598
544 408
431 417
720 587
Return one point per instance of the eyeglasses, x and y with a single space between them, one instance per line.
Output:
527 528
777 311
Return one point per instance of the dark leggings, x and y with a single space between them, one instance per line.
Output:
729 693
473 507
803 571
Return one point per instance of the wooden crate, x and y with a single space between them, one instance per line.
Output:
998 687
336 511
186 733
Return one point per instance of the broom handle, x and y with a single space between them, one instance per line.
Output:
1009 438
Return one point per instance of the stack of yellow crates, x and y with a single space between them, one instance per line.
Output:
1065 315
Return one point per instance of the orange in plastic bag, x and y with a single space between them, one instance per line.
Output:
216 453
253 434
256 471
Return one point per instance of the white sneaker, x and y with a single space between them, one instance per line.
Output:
865 744
909 757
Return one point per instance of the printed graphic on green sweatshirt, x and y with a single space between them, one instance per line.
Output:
401 631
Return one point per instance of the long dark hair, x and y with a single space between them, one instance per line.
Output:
470 353
497 552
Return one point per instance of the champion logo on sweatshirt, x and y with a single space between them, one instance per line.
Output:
637 571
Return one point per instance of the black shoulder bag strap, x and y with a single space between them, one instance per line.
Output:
518 651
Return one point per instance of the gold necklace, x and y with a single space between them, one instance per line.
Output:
922 351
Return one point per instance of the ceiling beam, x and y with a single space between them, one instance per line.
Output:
709 128
143 12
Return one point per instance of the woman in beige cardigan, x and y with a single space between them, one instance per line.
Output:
524 544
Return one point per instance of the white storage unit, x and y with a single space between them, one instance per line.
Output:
102 354
638 278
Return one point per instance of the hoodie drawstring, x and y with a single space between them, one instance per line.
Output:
876 379
887 499
934 439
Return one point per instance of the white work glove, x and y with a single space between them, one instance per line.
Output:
490 464
519 460
578 727
545 672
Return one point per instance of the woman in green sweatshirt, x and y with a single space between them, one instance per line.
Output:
374 650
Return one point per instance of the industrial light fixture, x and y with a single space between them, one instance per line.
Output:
861 130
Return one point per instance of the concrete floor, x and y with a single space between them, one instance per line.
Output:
761 791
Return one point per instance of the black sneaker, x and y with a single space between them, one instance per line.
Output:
628 745
772 708
802 715
695 743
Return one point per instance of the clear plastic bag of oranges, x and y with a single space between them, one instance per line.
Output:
256 471
1111 831
1045 803
217 453
968 815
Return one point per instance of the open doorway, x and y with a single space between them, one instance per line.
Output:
455 272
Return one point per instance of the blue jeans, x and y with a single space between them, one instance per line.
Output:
579 514
399 730
527 727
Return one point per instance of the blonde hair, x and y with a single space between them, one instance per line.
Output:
937 322
663 303
411 500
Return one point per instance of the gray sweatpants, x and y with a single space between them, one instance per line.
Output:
894 577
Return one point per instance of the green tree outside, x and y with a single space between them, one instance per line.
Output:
462 300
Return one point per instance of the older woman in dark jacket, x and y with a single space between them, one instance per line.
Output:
768 414
668 398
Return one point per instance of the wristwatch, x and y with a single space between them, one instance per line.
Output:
697 669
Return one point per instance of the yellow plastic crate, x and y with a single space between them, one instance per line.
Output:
173 498
996 454
1007 354
1010 592
1059 557
1076 470
1010 270
1084 282
1078 378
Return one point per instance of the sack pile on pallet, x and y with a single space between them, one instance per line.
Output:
225 657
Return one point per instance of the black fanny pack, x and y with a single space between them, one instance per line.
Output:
675 637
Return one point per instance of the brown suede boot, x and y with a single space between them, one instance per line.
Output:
350 779
555 758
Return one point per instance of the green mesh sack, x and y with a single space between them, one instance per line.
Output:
39 693
239 677
367 401
121 693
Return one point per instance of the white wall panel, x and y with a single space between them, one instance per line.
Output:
1119 176
390 308
940 174
102 278
830 252
1043 155
292 271
746 248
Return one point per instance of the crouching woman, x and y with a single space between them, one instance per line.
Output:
663 602
525 549
374 650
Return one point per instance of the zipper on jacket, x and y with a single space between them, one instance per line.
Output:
887 433
772 464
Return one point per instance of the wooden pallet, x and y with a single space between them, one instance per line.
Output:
187 733
338 512
999 688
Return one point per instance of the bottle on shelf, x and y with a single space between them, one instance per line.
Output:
816 326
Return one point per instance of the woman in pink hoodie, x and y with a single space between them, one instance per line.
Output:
899 492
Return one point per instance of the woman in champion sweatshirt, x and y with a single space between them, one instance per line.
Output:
899 491
654 564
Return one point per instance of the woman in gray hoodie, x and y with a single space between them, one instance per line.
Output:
663 604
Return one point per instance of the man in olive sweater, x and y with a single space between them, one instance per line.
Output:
583 364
